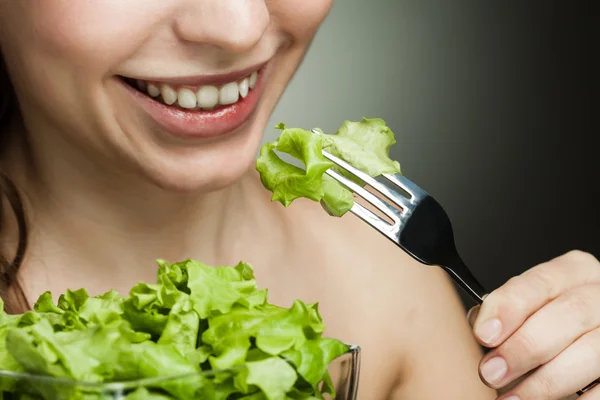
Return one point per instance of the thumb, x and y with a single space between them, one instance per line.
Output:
472 315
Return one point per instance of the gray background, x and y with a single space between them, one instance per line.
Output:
491 104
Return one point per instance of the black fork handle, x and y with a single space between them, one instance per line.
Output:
588 387
465 279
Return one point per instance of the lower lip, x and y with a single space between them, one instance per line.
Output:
197 124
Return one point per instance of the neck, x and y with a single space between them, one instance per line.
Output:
91 224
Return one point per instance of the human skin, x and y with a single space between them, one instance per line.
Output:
109 188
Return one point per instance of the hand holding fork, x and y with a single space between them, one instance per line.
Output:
546 320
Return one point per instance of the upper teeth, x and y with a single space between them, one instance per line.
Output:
205 97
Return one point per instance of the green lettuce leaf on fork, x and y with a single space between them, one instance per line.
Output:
195 318
364 145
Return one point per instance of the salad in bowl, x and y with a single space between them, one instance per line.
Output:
199 332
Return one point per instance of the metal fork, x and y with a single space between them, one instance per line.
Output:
421 227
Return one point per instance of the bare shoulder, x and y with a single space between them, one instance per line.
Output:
357 253
407 317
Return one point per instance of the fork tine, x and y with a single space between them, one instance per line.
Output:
365 194
397 198
405 184
373 220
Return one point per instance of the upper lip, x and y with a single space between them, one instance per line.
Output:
210 79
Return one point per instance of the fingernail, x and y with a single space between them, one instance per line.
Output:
472 315
489 331
493 370
512 398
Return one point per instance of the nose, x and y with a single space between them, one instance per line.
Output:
232 25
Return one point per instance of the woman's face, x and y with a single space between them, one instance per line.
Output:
176 91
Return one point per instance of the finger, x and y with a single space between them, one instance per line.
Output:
505 309
474 312
592 394
544 335
567 373
472 315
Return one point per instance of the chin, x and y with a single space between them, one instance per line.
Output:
200 170
180 181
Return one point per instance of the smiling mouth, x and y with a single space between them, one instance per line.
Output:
202 106
196 97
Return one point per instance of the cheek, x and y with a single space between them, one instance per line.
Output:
299 18
89 32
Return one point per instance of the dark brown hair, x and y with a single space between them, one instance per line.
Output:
10 290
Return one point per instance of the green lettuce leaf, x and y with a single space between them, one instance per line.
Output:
76 309
7 361
41 350
365 145
102 309
336 200
273 376
215 291
181 329
148 307
45 304
286 181
314 357
274 330
145 394
193 319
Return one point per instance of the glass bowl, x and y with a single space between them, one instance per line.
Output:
344 372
